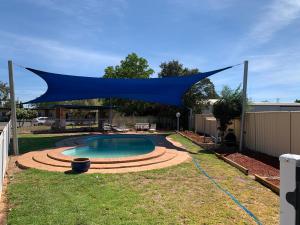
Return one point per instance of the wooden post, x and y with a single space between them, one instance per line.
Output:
244 105
13 114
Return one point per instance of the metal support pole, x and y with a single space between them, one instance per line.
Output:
244 105
190 118
13 114
110 112
177 116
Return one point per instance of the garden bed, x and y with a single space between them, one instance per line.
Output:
197 138
257 163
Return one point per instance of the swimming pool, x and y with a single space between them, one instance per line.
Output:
112 146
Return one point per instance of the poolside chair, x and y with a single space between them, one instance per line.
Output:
152 127
106 127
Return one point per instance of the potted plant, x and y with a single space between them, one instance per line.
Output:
81 165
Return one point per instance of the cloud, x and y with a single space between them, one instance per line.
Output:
277 16
32 50
76 7
273 70
49 55
274 17
89 13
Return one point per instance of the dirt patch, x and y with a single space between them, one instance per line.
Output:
4 205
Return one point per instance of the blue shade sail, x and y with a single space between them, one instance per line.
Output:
169 90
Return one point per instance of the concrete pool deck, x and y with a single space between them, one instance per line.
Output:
166 153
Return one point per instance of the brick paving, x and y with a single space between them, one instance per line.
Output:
166 153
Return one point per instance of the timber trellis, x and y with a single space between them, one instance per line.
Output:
273 133
4 148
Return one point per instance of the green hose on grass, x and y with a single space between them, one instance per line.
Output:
197 164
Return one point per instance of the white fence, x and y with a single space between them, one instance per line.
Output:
4 147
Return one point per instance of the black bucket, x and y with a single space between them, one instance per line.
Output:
81 165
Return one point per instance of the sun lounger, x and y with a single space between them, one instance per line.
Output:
120 129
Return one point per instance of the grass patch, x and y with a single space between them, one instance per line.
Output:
33 142
175 195
190 146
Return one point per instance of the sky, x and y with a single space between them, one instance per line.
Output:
83 37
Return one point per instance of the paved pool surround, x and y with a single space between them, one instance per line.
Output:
166 153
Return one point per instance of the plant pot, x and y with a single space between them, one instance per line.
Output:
80 165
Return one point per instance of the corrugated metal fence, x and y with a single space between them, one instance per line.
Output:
4 147
207 124
272 133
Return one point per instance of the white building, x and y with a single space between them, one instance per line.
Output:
258 106
269 106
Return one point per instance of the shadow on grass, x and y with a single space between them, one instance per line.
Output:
186 148
28 143
71 172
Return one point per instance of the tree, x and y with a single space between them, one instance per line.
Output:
198 93
90 102
297 101
25 114
228 107
4 94
132 66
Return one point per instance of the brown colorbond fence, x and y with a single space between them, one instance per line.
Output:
273 133
207 124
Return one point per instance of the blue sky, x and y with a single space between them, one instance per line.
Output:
82 37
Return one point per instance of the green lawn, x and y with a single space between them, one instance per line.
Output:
175 195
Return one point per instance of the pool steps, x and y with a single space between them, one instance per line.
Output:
161 158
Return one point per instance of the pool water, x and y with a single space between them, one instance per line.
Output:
112 146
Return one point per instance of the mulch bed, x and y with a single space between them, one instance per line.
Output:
274 181
257 163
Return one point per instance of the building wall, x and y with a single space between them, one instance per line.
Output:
262 108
